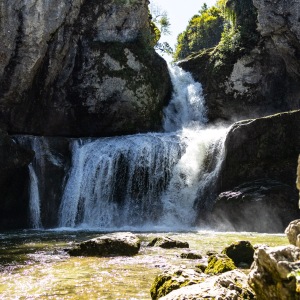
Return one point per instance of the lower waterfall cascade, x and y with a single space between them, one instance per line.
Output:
142 181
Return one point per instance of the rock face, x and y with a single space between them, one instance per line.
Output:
257 176
230 285
121 244
269 276
14 177
79 68
263 76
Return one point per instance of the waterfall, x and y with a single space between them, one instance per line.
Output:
34 199
144 180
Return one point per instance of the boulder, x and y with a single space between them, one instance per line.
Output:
240 252
257 170
14 177
257 206
115 244
191 255
293 232
172 280
230 285
80 68
271 275
167 243
220 263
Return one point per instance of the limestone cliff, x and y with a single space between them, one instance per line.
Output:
262 75
79 68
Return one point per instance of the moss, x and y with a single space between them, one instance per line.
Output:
164 284
219 264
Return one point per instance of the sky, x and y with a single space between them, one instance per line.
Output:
179 13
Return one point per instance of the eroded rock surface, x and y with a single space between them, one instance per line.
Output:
230 285
79 68
269 276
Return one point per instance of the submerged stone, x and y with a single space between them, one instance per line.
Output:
115 244
191 255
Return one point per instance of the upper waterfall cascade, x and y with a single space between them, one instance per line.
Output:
143 181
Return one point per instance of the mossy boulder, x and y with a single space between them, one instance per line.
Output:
173 280
240 252
191 255
219 264
167 243
115 244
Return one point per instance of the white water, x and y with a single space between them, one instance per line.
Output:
147 180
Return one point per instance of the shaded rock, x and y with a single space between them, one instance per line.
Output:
293 233
258 162
191 255
115 244
240 252
298 177
270 203
167 242
172 280
80 68
14 178
219 264
269 275
230 285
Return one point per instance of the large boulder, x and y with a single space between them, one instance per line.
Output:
257 175
261 75
230 285
293 232
257 206
80 68
14 178
271 275
115 244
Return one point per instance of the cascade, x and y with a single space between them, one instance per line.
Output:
143 181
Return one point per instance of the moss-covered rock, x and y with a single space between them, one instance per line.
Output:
240 252
219 264
173 280
167 242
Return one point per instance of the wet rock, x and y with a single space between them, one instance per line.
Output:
115 244
270 274
293 232
14 178
240 252
172 280
191 255
80 68
230 285
168 243
220 263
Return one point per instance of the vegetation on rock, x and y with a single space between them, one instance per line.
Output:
219 264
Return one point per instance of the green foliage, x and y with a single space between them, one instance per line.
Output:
203 32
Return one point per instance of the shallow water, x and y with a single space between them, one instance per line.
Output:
34 265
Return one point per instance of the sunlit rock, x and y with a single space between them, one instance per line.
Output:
115 244
270 275
230 285
219 263
293 232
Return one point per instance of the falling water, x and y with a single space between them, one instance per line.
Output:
144 180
